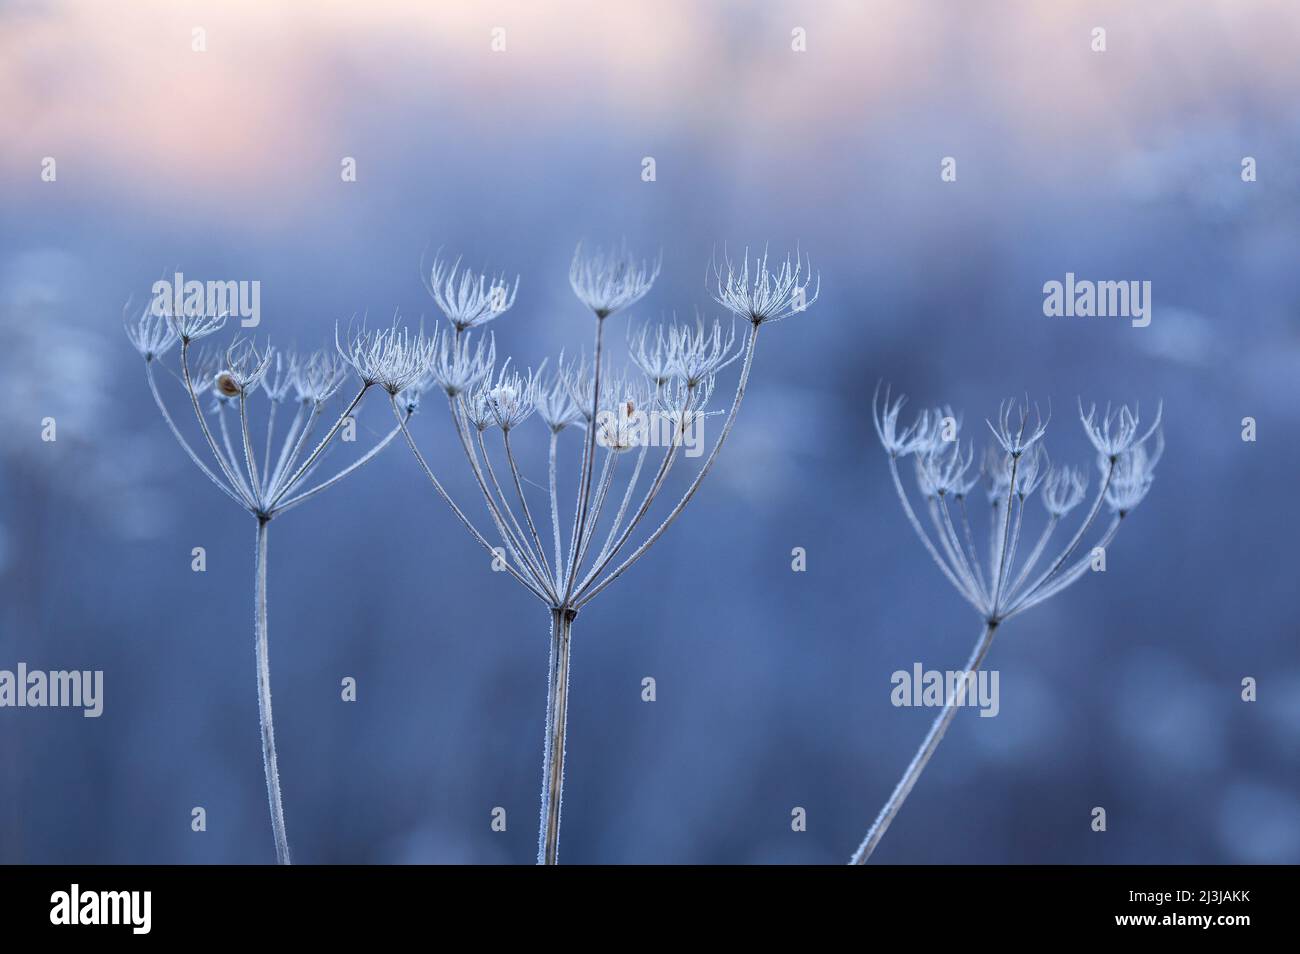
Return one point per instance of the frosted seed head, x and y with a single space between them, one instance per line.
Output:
510 400
946 470
611 279
1018 428
652 354
768 293
701 352
1134 472
245 368
393 357
457 364
1115 431
317 376
1064 489
150 334
919 436
469 299
554 403
191 325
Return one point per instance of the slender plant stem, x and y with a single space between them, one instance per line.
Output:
355 465
1033 588
523 502
460 514
180 439
320 447
235 484
557 719
555 512
264 701
924 753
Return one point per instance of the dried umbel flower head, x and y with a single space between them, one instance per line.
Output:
884 412
678 368
554 401
1116 431
317 377
469 299
191 325
610 279
1132 472
652 354
622 427
767 293
241 460
1064 489
392 358
943 469
1017 429
150 333
701 352
457 363
1015 466
512 398
245 368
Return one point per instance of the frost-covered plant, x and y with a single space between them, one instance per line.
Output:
1014 467
670 384
242 460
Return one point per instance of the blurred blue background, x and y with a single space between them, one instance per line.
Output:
773 686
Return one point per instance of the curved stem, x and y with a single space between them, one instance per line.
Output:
264 701
1068 576
1028 593
266 457
517 540
250 459
185 445
608 553
925 537
1034 555
460 514
557 719
290 442
354 466
622 509
235 484
1001 570
513 545
923 754
320 447
231 457
970 542
523 502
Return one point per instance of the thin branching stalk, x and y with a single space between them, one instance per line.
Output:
1014 468
678 370
267 491
265 718
925 752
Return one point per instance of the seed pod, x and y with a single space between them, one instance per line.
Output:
226 385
